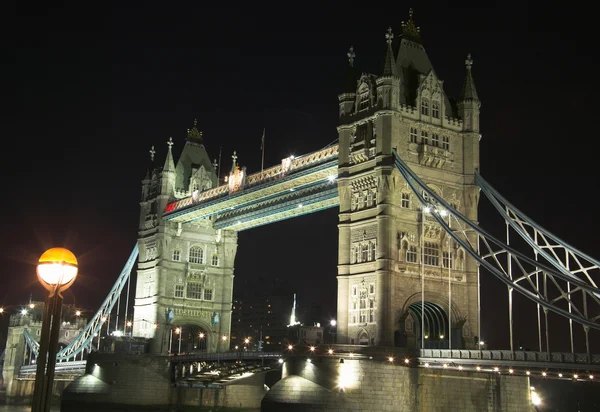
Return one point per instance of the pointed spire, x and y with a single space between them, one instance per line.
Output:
410 30
152 153
469 92
169 163
193 133
150 168
234 164
350 86
389 66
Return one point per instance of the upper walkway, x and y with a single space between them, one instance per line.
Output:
298 186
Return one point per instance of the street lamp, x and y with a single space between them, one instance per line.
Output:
56 271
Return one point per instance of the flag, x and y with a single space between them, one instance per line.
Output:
262 141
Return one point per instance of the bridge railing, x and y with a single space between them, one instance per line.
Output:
517 356
64 367
224 356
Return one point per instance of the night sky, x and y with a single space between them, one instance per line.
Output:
95 88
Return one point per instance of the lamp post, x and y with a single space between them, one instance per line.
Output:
56 271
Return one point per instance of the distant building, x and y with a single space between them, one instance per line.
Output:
307 335
251 316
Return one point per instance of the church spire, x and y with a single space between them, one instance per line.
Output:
194 134
389 66
150 164
350 86
169 163
469 92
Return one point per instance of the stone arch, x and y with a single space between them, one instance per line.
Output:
437 328
191 328
363 337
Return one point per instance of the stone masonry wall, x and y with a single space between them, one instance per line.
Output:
368 385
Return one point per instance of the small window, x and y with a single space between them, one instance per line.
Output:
432 254
208 294
435 139
371 304
66 334
371 288
194 291
354 291
405 203
424 137
365 252
196 254
411 254
413 135
446 143
177 255
215 260
447 260
371 317
435 110
424 107
179 289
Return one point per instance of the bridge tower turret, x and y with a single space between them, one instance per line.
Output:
185 272
389 250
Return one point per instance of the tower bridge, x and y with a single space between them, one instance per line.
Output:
405 176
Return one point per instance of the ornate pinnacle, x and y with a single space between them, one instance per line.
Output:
469 62
409 29
215 164
152 153
389 36
193 133
170 143
351 56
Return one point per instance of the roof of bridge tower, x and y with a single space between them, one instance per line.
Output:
412 62
469 92
389 66
193 133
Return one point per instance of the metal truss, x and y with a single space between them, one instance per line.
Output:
518 271
84 340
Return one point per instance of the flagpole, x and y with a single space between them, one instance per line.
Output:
262 164
219 167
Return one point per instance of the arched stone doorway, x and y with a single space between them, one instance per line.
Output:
189 338
363 338
429 323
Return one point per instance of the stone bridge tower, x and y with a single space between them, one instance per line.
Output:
387 242
185 272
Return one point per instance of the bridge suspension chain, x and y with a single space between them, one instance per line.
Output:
487 249
84 339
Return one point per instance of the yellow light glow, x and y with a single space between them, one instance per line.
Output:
460 367
31 306
544 374
445 365
527 373
426 364
591 376
330 351
478 368
290 347
496 369
201 335
103 319
407 361
224 338
246 341
57 266
312 348
511 371
560 375
1 310
78 313
129 323
391 359
348 376
178 331
576 376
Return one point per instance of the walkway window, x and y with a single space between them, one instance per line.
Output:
447 260
196 254
179 291
215 260
446 143
413 135
435 110
424 107
405 200
194 291
372 251
424 137
432 254
176 255
435 139
208 294
411 254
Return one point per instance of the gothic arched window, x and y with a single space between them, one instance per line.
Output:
215 260
424 107
435 110
196 254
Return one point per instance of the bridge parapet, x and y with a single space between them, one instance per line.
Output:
564 360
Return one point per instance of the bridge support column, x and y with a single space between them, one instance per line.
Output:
385 331
342 310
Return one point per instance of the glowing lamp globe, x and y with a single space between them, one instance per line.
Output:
57 269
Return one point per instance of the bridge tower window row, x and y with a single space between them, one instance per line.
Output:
193 291
365 251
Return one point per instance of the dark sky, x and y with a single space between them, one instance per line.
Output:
90 90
